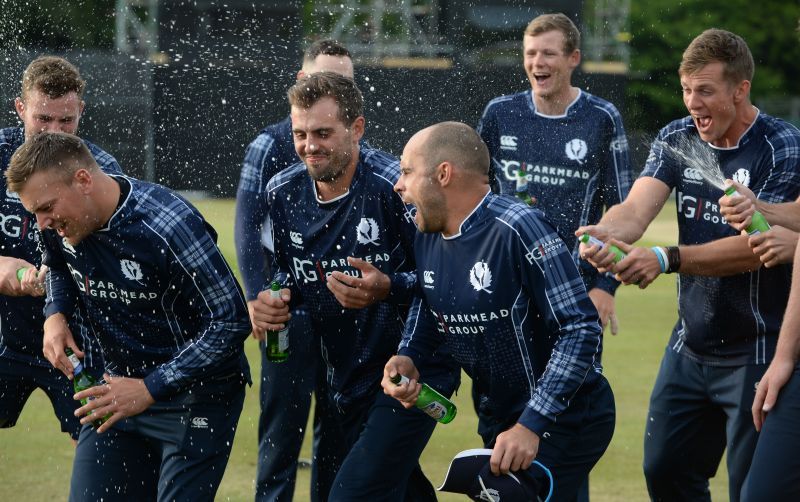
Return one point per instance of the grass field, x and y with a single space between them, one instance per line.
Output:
35 458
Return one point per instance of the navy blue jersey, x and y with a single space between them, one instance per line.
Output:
21 318
730 320
160 298
311 239
575 164
271 152
505 297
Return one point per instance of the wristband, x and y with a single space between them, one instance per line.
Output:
673 259
662 257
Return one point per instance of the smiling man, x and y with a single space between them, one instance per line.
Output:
163 305
729 308
342 241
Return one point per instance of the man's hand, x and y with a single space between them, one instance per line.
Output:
774 247
268 313
776 376
640 267
604 303
258 333
359 292
9 283
599 257
120 396
514 449
408 392
738 209
57 337
32 282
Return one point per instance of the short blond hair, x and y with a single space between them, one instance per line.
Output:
715 45
556 22
59 151
53 76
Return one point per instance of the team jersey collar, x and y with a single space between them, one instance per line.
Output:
744 138
472 218
532 104
121 213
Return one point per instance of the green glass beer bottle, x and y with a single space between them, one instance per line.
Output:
82 380
277 341
758 223
593 241
522 188
431 402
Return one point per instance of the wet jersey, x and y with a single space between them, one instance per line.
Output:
729 320
312 238
574 164
21 317
506 298
160 298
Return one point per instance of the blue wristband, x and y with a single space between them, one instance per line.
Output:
662 258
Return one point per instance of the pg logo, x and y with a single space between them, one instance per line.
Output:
508 142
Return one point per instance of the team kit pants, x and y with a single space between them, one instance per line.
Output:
775 471
571 446
696 412
174 450
285 397
382 463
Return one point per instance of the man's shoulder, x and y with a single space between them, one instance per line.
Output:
105 160
598 103
778 130
516 215
507 101
679 127
287 177
382 164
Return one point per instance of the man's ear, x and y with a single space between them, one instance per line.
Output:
19 105
444 173
357 128
742 91
83 179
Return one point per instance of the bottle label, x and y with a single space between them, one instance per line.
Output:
76 363
435 410
283 340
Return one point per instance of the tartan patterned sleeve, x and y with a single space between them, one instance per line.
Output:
556 290
209 284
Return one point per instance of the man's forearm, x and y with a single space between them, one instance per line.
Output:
719 258
786 214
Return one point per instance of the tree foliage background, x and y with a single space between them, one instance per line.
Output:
661 30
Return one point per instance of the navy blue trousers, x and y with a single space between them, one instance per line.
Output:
174 450
696 412
775 471
571 446
285 396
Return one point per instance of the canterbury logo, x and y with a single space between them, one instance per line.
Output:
367 231
200 422
427 276
296 238
481 277
508 142
692 174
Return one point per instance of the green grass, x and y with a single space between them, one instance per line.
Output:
35 458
